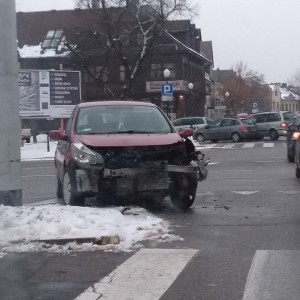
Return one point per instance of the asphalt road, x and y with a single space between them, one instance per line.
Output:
249 202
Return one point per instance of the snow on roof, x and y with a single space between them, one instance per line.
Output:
37 52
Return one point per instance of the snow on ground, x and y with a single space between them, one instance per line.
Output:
21 228
38 151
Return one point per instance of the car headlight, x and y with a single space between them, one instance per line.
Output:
83 155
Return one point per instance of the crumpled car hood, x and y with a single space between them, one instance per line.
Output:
129 140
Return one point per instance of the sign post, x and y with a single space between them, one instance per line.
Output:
167 97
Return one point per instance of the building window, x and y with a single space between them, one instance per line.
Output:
122 73
275 92
53 39
158 69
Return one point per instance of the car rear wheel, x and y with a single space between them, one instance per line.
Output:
70 194
297 173
273 134
200 138
183 191
290 158
59 189
236 137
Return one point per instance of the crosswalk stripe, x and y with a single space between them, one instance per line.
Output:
268 145
248 145
229 146
274 275
145 275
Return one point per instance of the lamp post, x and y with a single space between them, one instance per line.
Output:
167 74
227 103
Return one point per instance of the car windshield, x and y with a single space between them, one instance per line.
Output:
121 119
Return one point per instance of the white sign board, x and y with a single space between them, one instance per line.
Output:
45 93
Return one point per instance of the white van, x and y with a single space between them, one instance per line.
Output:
273 124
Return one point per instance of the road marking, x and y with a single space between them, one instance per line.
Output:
274 275
248 145
245 192
145 275
29 176
268 145
229 146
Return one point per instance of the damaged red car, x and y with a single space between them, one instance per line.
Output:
115 149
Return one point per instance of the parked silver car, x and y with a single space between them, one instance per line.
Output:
191 122
227 129
273 124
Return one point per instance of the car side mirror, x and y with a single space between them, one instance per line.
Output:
57 135
293 128
185 132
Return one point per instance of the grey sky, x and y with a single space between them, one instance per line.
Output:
263 34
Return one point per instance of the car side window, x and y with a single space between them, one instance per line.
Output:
236 122
186 121
69 124
227 122
215 123
296 121
177 122
261 118
197 121
273 117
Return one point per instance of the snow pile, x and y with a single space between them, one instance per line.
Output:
38 151
22 227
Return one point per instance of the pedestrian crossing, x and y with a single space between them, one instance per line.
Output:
246 145
148 274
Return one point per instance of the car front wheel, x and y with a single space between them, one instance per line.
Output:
183 191
70 194
200 138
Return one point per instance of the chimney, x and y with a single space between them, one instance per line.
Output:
95 4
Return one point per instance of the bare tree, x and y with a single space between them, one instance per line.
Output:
245 87
294 82
117 22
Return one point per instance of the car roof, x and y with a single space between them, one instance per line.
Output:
115 103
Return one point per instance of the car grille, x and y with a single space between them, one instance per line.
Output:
133 157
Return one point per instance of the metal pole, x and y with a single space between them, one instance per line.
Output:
10 164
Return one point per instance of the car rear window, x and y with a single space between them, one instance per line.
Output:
247 121
288 116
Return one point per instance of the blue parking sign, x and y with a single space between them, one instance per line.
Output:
167 89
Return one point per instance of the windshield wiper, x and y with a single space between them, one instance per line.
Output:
128 131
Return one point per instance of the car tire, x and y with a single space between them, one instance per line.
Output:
290 158
59 189
69 190
182 196
200 138
27 140
236 137
297 173
273 134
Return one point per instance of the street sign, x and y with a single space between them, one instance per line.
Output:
166 98
167 89
254 105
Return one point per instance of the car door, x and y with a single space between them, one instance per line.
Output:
61 149
211 132
197 123
226 129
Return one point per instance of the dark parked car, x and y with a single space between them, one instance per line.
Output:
292 135
227 129
118 149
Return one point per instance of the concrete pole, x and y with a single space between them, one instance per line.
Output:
10 164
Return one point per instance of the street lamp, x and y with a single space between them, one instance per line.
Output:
167 74
227 103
